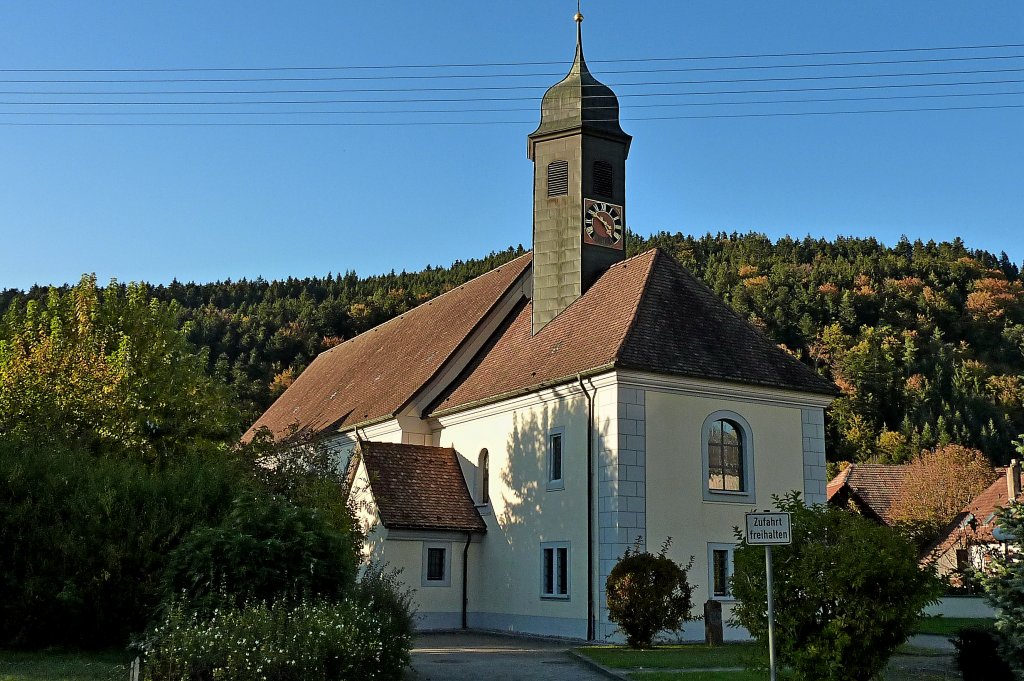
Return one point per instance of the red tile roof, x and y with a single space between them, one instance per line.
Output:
980 510
373 375
872 486
646 313
417 487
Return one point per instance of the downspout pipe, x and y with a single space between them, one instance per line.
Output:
590 510
465 579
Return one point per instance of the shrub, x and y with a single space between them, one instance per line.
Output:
847 592
648 593
977 655
283 641
266 549
1005 588
84 539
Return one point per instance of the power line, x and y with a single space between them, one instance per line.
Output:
498 99
507 75
478 123
500 110
514 63
489 88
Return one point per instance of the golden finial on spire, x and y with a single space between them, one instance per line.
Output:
579 15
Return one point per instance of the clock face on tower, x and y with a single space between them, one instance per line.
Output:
602 224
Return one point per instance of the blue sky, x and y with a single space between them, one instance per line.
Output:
213 202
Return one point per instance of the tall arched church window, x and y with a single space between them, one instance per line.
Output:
728 459
558 178
725 456
484 468
604 179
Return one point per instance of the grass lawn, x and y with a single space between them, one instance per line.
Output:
687 656
948 626
63 666
644 665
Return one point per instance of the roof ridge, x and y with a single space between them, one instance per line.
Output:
443 364
425 303
636 303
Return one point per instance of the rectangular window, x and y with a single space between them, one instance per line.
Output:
437 565
555 448
554 581
720 568
558 178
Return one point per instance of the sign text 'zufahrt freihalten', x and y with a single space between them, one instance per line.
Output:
764 529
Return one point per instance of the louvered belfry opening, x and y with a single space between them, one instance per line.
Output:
604 179
558 178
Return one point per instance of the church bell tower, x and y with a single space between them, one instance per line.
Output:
579 188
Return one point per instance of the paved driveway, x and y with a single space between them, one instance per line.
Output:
474 657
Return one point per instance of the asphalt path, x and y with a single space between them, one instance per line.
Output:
464 656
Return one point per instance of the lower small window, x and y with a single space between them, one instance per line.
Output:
436 564
554 570
720 568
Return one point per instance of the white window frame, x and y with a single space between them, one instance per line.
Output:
447 546
730 568
553 483
554 546
745 496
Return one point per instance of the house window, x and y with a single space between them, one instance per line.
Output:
727 448
555 460
554 570
603 179
720 568
558 178
483 467
437 564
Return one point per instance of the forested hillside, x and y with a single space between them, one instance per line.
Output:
926 341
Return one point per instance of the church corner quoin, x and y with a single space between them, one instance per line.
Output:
510 439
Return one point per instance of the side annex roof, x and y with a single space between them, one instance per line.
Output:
416 487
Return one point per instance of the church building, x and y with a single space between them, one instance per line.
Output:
508 440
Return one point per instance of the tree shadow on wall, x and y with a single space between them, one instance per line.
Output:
531 510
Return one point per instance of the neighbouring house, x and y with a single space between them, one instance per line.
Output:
509 439
967 541
868 488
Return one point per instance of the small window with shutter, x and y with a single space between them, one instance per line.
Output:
604 179
558 178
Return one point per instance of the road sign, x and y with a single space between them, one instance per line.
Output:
769 529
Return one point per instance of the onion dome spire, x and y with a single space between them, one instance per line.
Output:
579 101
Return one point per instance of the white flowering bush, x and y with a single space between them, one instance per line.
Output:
356 638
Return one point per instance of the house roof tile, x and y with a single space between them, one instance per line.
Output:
417 487
374 375
873 486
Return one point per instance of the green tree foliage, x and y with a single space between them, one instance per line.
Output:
1005 587
109 369
925 340
847 592
83 540
265 549
648 593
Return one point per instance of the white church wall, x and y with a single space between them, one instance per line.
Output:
525 510
676 481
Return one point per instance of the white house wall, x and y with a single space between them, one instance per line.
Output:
505 575
675 504
648 484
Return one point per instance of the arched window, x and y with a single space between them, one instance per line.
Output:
727 449
725 456
558 178
483 468
604 179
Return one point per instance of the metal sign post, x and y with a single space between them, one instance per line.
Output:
769 529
